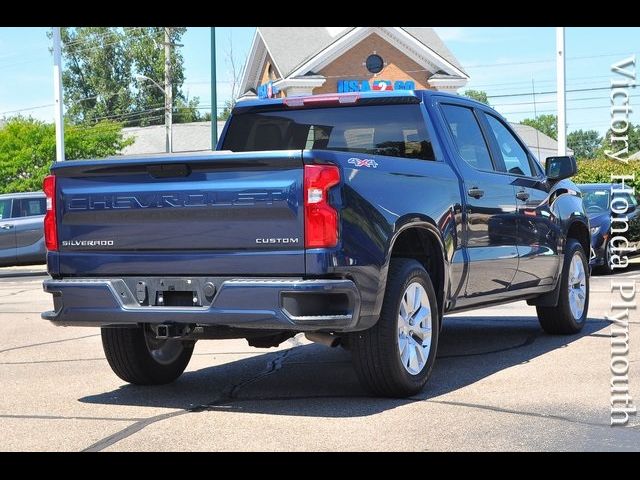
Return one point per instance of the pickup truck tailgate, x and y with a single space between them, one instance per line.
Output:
215 213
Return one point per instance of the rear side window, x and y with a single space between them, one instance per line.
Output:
393 130
5 209
468 136
29 207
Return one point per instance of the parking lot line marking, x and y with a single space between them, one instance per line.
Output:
48 343
61 417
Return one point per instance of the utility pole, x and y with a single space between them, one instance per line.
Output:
214 100
535 115
168 90
561 96
57 93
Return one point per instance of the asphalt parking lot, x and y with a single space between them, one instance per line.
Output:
499 384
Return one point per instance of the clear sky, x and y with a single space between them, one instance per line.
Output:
505 62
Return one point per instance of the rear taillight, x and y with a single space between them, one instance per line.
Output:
50 228
320 218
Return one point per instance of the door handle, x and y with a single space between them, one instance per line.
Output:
475 192
522 195
6 226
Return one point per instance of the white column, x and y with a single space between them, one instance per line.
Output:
57 93
298 91
561 96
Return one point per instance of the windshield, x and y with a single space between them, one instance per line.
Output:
393 130
595 200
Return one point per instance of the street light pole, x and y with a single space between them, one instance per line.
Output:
57 93
168 91
561 96
167 119
214 100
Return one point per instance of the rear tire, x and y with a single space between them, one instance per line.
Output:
395 357
137 357
570 315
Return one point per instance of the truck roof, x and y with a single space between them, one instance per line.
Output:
418 94
21 195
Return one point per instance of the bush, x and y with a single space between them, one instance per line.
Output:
28 147
600 171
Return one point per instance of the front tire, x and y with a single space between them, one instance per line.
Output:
395 357
606 269
137 357
570 315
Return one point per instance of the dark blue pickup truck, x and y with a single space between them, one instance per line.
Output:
358 219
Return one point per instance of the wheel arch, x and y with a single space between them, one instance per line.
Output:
419 238
579 231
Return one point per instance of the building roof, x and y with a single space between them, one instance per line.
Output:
291 48
635 156
536 139
187 137
430 39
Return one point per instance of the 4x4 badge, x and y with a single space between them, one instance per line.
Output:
363 162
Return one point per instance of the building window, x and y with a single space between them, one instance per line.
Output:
374 63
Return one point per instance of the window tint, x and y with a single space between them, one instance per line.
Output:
516 159
29 207
5 209
468 136
394 130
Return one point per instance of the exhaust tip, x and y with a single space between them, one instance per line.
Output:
323 338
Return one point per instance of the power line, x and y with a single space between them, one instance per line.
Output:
549 92
583 57
548 101
26 109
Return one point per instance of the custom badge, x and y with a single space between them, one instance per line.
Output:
363 162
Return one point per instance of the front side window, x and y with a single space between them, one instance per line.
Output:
392 130
516 159
468 137
5 209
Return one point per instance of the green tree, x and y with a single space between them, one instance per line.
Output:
633 138
100 69
584 143
28 146
226 111
478 95
547 124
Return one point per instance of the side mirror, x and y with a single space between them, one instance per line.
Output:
557 168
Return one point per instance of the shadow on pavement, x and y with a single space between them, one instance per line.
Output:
313 380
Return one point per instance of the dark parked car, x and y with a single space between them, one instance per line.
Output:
21 229
597 198
359 218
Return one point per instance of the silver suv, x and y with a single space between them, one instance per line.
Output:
22 228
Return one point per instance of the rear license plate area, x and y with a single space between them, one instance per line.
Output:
176 298
177 293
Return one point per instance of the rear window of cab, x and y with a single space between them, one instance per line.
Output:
392 130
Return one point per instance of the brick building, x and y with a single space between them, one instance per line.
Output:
286 61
